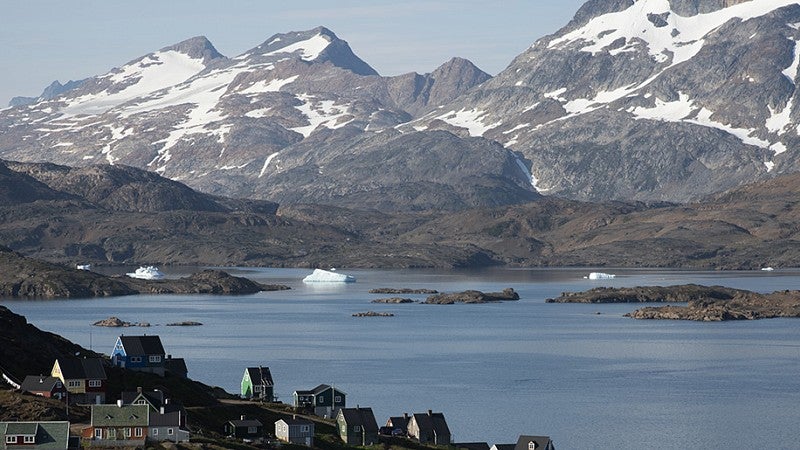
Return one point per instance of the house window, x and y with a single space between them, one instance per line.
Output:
11 439
320 400
98 433
532 445
95 383
138 431
170 431
126 432
155 431
136 359
252 430
304 428
357 428
155 358
74 383
29 439
337 399
140 402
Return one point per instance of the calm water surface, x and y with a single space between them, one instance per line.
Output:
587 380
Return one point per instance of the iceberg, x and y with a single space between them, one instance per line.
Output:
601 276
328 276
84 267
146 273
767 269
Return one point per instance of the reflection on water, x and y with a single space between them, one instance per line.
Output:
495 370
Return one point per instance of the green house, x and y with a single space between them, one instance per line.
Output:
257 384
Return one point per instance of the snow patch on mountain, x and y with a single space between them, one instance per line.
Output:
325 113
151 73
469 119
685 110
664 45
310 48
262 86
266 164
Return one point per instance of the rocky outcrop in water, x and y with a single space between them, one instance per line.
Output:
114 322
472 296
373 314
648 294
402 291
744 306
395 300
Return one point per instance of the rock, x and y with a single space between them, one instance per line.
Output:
744 306
402 291
472 296
393 300
117 322
373 314
186 323
647 294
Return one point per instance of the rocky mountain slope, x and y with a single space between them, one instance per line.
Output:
286 121
647 100
750 227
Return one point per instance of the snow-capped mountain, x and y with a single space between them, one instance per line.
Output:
237 126
647 99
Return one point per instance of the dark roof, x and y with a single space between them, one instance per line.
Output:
360 416
504 446
399 422
142 345
295 421
33 383
155 398
124 416
472 446
257 374
432 421
176 365
86 368
542 442
170 419
246 423
319 390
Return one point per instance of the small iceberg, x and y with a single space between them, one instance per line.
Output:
84 267
600 276
328 276
767 269
146 273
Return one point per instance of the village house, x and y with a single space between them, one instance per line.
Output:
357 426
44 386
37 436
244 428
159 403
140 353
85 379
295 431
526 442
176 367
429 428
398 425
323 400
117 425
257 384
471 446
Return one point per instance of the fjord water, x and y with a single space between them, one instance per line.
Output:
582 374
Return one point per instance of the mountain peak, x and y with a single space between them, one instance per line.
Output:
318 45
198 47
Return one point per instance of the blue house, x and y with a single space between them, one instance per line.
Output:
142 353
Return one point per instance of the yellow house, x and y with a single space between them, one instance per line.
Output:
85 379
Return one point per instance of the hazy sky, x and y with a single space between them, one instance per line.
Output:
46 40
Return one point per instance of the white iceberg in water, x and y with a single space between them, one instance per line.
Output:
601 276
328 276
84 267
767 269
146 273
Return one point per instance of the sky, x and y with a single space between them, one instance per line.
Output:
47 40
